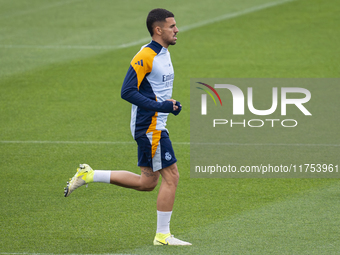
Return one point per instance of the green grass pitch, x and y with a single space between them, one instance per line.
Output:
62 63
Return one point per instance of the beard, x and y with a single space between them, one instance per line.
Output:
169 41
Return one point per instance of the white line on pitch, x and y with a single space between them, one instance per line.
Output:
44 7
27 253
179 143
78 142
78 47
233 15
272 144
145 40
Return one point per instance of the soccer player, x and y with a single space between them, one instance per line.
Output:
148 87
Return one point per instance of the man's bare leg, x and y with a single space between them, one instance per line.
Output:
166 198
167 190
165 203
146 181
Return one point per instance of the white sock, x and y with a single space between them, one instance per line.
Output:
102 176
163 222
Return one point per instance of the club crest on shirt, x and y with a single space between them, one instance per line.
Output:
168 156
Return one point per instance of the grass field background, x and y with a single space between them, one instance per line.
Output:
62 64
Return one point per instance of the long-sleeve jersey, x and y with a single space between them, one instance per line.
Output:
147 85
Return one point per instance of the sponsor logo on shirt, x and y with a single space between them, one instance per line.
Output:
168 77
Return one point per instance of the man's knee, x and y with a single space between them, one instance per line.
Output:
149 179
175 177
170 175
148 186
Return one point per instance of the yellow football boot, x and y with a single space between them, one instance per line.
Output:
84 175
168 239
